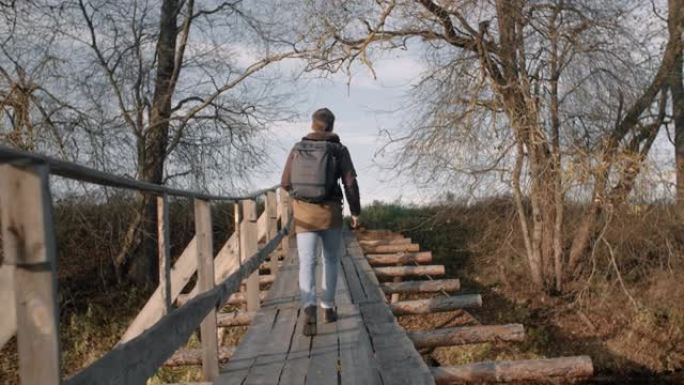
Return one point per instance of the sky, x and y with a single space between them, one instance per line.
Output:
363 106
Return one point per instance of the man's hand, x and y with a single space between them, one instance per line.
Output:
354 222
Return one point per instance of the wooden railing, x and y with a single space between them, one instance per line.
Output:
28 283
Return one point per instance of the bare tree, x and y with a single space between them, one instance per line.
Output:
169 90
578 113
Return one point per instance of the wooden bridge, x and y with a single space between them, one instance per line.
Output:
365 346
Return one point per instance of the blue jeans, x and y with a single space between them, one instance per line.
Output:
307 245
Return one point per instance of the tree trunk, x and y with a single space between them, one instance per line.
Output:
141 240
559 198
676 28
585 232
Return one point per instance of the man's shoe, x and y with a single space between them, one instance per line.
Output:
309 321
330 314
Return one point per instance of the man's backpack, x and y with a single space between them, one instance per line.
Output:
314 170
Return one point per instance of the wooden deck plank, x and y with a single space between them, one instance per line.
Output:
357 365
398 361
323 362
365 346
269 365
323 355
297 361
255 340
285 290
356 291
342 295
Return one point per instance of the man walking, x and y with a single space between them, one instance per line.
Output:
311 175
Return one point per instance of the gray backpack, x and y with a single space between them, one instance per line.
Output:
314 170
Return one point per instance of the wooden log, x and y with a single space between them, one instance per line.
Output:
394 298
239 298
248 246
467 335
437 304
193 357
266 279
414 287
409 247
377 234
164 250
541 370
402 258
388 241
28 242
236 318
404 271
267 266
205 282
243 298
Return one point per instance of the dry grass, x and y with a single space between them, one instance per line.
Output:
480 245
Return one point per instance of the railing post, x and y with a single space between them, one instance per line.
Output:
29 246
272 226
236 217
248 247
205 282
284 218
164 248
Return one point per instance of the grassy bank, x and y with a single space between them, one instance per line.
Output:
637 331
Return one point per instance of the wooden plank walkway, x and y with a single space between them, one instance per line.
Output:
365 346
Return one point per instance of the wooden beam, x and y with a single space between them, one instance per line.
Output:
226 262
205 282
236 318
409 247
8 319
248 247
402 258
181 273
467 335
193 357
404 271
414 287
164 249
28 242
541 370
437 304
